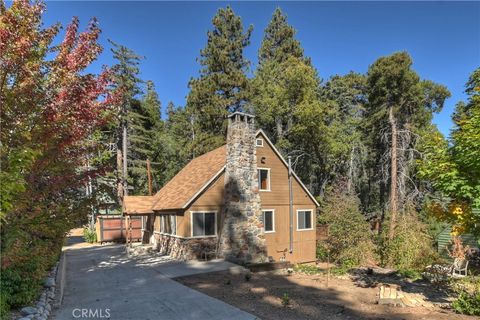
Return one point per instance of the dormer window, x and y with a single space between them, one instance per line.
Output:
259 142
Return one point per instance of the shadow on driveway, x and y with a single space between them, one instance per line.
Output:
102 282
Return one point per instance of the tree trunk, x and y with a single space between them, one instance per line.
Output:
279 125
350 171
119 176
393 174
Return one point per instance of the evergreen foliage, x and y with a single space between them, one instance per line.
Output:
350 238
279 41
222 86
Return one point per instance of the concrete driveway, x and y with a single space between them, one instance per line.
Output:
102 282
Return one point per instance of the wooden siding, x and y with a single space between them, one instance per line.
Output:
279 194
278 242
304 242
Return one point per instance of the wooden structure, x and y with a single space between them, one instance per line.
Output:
197 193
113 228
444 239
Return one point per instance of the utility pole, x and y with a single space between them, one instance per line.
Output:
290 202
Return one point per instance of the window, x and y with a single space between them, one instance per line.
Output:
268 220
203 224
259 142
304 220
168 224
162 223
264 179
173 224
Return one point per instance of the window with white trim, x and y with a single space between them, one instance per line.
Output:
204 224
264 179
268 219
259 142
304 220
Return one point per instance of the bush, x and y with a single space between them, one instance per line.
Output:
285 300
468 295
90 235
322 251
410 274
24 266
350 238
4 307
306 268
468 303
411 248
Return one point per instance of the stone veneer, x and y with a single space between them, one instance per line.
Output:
185 248
241 236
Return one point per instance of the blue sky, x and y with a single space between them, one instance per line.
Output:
443 38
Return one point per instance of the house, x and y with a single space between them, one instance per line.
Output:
235 202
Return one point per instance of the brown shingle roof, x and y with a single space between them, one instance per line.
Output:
138 204
178 192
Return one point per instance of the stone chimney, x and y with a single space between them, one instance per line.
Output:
242 239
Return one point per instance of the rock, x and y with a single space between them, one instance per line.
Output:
380 271
24 318
48 307
28 310
49 283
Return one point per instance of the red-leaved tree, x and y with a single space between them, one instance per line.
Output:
51 109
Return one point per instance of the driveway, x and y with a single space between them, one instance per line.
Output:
102 282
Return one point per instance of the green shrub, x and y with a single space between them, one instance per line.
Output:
467 303
285 300
306 268
21 278
468 299
411 248
322 251
4 307
410 274
350 238
90 235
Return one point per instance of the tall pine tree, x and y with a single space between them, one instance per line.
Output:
399 105
127 82
273 95
144 140
279 41
223 85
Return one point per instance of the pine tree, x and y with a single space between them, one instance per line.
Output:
279 52
399 104
349 94
223 85
145 129
279 41
127 82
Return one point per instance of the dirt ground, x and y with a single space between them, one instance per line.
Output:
309 297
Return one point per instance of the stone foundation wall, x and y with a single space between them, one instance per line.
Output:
185 249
